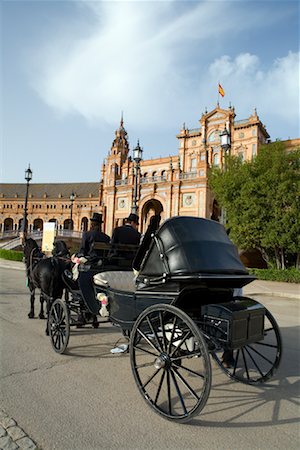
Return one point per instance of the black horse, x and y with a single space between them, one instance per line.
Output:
45 273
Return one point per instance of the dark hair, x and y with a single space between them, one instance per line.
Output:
95 226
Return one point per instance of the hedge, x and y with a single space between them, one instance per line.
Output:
11 255
287 275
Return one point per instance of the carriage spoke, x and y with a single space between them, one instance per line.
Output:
181 342
159 387
169 393
260 354
254 362
155 333
151 378
172 334
192 372
144 350
178 392
245 363
164 343
148 340
185 383
187 356
264 344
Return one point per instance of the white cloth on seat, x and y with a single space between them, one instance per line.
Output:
116 279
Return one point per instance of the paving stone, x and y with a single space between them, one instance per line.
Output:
15 432
7 422
6 443
3 431
2 414
26 443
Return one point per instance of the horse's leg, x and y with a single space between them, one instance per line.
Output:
32 297
41 314
49 301
95 322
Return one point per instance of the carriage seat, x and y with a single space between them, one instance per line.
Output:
117 279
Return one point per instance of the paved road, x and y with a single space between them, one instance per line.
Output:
88 400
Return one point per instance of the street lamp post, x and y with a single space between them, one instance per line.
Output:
137 157
72 198
225 145
28 178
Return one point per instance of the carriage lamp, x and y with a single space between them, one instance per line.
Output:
137 157
72 198
28 178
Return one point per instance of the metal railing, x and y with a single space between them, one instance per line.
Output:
121 182
155 179
187 175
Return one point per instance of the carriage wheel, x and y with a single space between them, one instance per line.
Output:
170 362
59 325
257 362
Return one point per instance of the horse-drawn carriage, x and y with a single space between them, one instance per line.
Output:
177 310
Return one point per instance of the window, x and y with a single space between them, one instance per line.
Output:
202 156
253 150
241 156
193 164
214 136
201 173
216 159
241 135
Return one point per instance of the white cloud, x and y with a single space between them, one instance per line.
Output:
275 89
142 58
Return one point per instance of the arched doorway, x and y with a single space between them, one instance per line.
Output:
84 224
8 224
151 208
38 225
68 224
216 211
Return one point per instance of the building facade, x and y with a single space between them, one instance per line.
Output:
175 185
48 203
170 186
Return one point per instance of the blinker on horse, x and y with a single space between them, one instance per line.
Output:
45 273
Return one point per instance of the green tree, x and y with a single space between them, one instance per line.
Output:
262 202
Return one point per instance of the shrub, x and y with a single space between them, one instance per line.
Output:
291 275
12 255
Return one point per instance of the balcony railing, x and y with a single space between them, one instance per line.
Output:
187 175
121 182
155 179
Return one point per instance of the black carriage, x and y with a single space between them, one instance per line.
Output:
179 308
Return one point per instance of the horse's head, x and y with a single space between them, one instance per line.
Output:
60 249
30 249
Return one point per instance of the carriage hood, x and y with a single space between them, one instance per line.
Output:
187 245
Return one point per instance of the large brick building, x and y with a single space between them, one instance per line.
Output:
174 185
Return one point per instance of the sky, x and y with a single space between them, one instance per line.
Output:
70 68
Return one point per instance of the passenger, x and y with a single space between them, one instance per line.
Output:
94 235
128 233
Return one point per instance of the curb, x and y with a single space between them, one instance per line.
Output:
12 437
275 294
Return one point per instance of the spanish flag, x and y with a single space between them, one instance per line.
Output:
221 90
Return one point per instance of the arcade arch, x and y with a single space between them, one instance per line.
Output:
150 208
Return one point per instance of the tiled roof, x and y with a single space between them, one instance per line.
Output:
52 190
